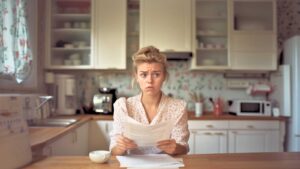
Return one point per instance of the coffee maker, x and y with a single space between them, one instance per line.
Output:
104 100
65 94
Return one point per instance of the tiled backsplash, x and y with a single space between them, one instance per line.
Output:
181 82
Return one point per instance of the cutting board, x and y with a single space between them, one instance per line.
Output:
14 137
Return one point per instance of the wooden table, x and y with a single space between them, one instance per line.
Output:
214 161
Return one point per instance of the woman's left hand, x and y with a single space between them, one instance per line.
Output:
168 146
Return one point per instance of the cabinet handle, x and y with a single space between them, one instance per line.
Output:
250 127
234 132
209 126
219 134
297 135
207 133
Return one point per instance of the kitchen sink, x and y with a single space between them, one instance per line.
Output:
54 122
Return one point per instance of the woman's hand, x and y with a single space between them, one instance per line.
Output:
171 147
123 144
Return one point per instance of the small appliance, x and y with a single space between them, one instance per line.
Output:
103 101
250 107
65 94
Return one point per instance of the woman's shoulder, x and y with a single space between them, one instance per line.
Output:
124 100
175 101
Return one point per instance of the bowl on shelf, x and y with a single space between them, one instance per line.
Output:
209 62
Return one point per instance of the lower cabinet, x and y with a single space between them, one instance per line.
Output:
225 136
99 134
74 143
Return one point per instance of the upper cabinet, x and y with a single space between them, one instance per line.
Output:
253 35
166 24
210 34
109 34
234 35
68 39
86 34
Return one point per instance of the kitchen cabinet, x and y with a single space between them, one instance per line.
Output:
74 143
99 138
228 35
208 137
253 42
253 136
233 136
210 34
68 34
86 34
166 24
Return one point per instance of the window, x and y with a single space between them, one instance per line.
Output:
9 84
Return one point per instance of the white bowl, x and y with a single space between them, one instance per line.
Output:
99 156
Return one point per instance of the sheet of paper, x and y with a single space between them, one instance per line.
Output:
149 161
147 135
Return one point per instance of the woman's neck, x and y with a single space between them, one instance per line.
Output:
151 100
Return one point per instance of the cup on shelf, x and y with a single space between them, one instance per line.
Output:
67 24
68 62
68 46
76 62
74 56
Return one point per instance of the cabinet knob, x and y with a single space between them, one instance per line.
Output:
209 126
250 127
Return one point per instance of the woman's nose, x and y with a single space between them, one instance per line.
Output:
149 78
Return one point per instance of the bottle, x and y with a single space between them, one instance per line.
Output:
218 110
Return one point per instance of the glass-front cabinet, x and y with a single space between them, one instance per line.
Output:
68 34
210 34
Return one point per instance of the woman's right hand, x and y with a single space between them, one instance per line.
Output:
123 144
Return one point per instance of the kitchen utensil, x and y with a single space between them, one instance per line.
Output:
103 102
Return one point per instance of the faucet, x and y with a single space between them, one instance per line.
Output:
39 107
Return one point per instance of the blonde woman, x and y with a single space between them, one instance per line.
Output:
150 107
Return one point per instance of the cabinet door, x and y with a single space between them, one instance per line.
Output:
253 41
210 34
241 141
74 143
208 141
109 34
166 24
99 134
68 35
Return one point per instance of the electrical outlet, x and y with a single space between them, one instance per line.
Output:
237 83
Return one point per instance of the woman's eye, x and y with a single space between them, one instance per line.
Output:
156 74
143 75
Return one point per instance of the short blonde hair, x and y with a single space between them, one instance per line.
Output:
149 54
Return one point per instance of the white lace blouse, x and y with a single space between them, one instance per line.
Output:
168 109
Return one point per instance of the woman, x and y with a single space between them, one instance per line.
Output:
151 106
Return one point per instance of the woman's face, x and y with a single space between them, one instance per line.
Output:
150 77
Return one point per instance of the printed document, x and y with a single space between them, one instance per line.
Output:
147 135
149 161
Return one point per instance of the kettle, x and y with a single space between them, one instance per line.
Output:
104 100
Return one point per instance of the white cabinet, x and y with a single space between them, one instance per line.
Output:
86 34
74 143
166 24
238 136
99 134
253 42
210 34
208 137
109 34
68 34
254 136
229 35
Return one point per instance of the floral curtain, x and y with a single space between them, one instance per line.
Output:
15 52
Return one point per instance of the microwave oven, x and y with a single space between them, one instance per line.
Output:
250 108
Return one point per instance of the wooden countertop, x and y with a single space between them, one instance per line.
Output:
213 161
40 136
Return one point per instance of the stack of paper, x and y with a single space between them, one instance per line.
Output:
149 161
147 135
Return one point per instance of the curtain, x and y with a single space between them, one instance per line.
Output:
15 52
